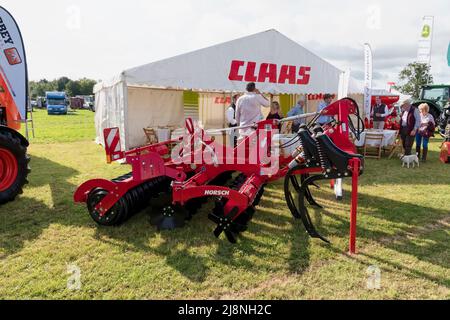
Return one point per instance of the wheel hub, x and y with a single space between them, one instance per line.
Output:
8 169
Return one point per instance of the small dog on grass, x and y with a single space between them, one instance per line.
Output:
411 159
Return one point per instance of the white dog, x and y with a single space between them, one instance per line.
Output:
409 159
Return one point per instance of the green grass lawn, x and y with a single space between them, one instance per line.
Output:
77 125
403 229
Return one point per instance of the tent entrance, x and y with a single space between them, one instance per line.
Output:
190 101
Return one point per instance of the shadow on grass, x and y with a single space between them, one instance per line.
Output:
24 219
179 247
395 267
408 219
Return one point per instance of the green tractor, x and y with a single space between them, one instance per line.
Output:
436 96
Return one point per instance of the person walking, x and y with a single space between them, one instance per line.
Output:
248 109
426 130
409 124
296 110
230 115
379 113
327 98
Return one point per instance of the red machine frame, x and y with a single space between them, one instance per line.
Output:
153 161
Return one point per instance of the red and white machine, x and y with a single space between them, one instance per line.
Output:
444 130
199 168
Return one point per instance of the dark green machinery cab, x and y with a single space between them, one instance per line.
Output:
436 96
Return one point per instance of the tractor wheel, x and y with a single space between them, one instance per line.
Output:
436 114
13 166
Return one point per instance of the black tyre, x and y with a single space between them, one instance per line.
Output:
13 166
436 115
114 216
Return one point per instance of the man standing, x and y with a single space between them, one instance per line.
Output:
327 98
230 115
379 113
296 110
248 108
409 124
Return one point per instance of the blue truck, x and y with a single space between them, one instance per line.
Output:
56 102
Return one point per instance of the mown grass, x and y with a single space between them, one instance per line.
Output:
77 125
403 229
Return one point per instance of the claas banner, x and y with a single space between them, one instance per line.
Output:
13 70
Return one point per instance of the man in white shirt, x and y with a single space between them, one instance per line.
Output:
248 109
230 115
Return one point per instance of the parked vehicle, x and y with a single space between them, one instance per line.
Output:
40 103
436 96
56 102
77 103
89 103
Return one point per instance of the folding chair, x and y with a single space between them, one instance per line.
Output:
396 147
151 135
373 145
286 128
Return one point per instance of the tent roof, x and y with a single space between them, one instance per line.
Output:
208 69
355 86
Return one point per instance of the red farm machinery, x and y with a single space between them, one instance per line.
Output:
198 168
13 105
444 130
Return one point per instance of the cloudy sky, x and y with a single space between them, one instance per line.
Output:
99 38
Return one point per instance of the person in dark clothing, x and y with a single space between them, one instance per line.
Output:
409 124
380 112
275 112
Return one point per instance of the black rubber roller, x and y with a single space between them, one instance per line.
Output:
131 202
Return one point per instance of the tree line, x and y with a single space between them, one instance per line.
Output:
411 78
83 87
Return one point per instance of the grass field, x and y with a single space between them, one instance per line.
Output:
403 231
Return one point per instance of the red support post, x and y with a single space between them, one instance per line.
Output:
355 163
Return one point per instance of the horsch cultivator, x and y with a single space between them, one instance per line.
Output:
198 168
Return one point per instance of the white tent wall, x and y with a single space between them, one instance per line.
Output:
212 110
110 106
151 108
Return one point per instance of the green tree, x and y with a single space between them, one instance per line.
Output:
72 88
86 86
413 77
38 88
61 83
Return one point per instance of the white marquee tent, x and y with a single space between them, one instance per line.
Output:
152 94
